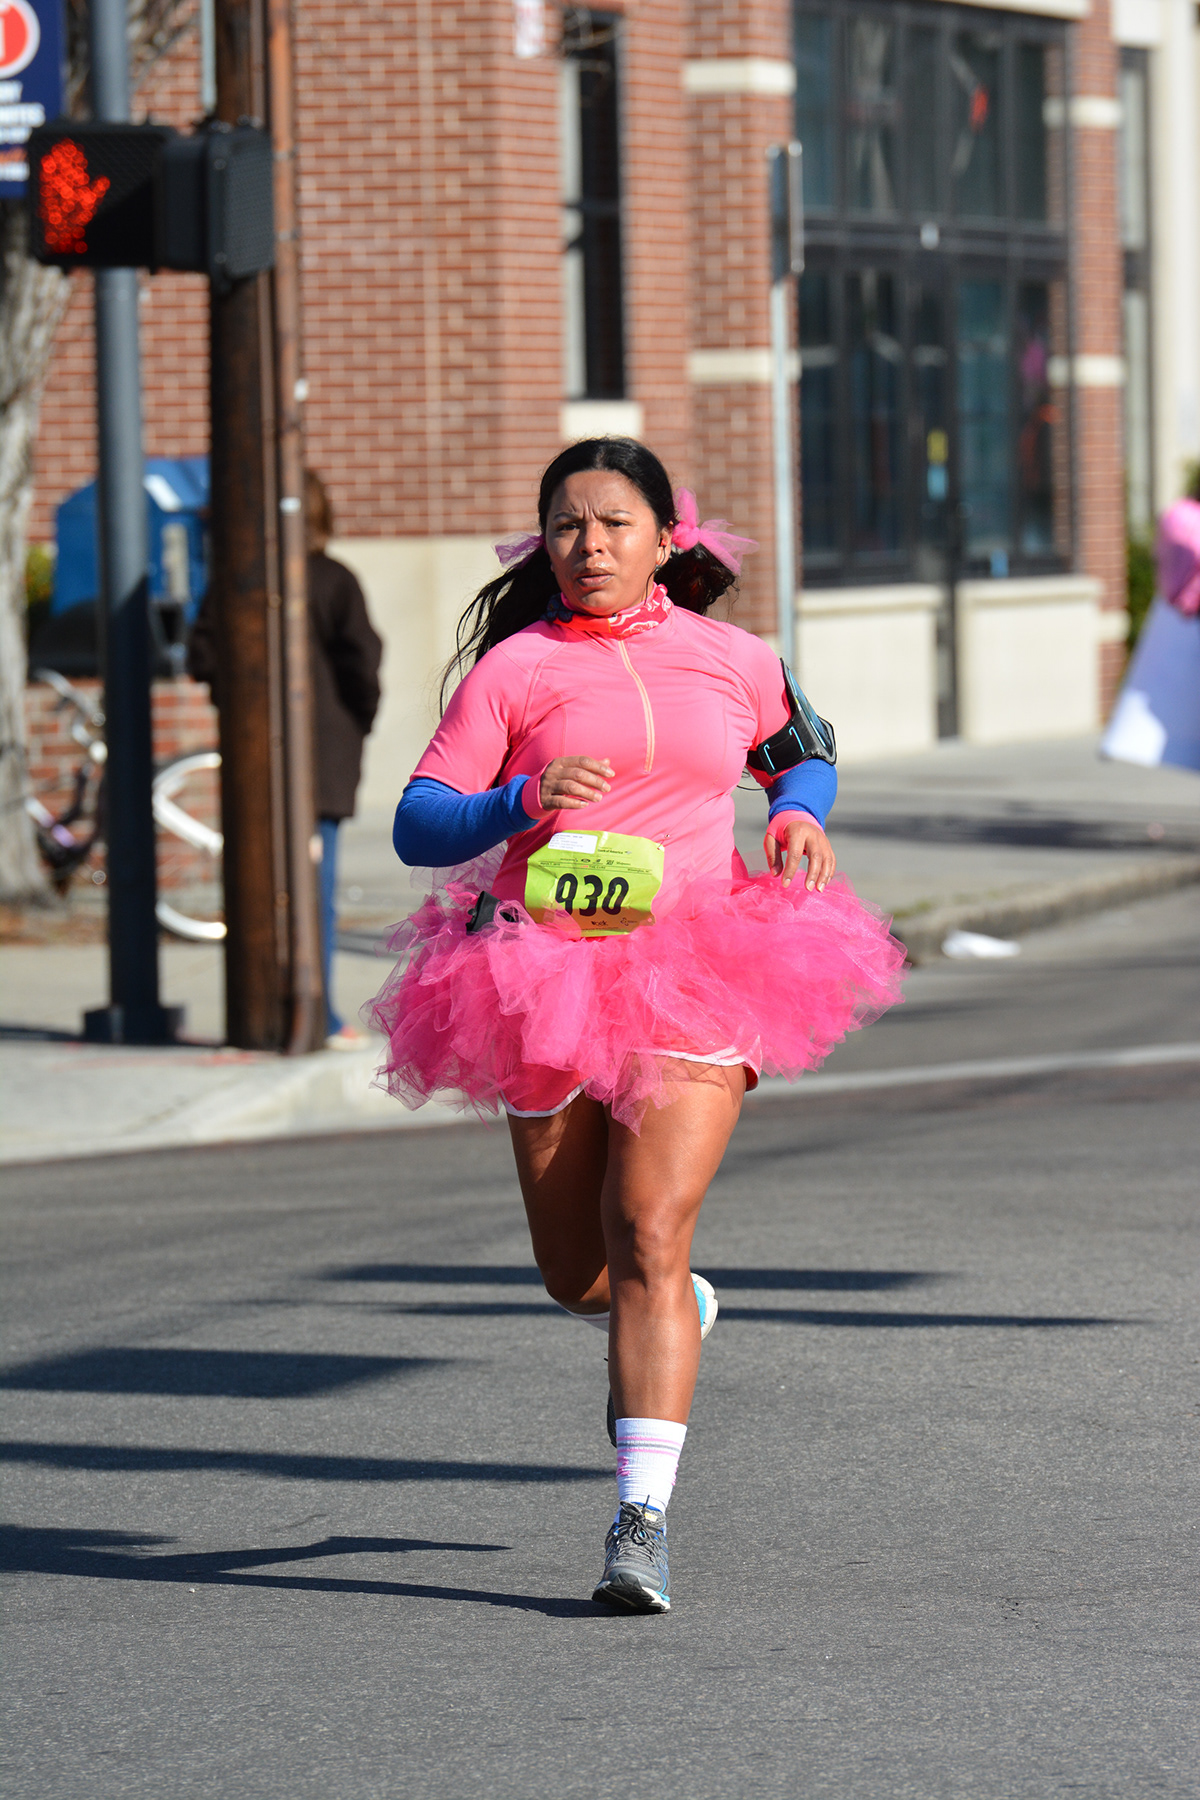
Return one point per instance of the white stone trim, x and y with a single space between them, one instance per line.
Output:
839 602
739 75
600 418
1028 657
1030 590
1051 9
712 367
1112 625
1087 371
1087 112
1137 23
720 368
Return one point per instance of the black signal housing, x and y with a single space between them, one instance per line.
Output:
116 196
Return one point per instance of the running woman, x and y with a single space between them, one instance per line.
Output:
611 974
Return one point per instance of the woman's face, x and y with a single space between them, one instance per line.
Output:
605 544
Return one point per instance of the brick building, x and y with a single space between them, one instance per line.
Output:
524 223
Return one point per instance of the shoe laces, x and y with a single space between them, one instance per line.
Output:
633 1528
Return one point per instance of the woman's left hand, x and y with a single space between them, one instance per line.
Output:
790 839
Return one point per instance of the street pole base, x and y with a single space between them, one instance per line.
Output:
133 1025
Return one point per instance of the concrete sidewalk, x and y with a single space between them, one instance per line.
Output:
1010 838
999 840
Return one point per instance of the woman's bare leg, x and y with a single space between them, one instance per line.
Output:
560 1165
653 1187
611 1216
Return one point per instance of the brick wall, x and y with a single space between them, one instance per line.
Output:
431 231
430 217
728 136
183 721
429 195
657 232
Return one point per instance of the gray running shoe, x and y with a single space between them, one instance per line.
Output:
635 1561
706 1302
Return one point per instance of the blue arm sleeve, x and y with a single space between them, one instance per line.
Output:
810 787
437 827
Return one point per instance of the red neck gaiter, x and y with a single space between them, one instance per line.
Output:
646 616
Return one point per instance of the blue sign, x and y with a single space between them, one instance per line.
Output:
31 81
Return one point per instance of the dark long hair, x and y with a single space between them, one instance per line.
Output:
693 578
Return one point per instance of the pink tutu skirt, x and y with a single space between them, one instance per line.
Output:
743 971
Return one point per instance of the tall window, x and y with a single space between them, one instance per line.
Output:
594 352
1134 169
933 309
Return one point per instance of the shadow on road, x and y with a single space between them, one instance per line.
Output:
828 1281
846 1281
786 1315
472 1309
509 1275
124 1556
1044 831
35 1034
208 1374
441 1274
288 1466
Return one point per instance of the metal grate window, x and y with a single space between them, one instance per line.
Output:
934 415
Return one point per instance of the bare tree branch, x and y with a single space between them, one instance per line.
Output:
155 27
32 302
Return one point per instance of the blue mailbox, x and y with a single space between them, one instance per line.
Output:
66 638
176 508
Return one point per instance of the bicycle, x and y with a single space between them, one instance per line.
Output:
181 824
64 850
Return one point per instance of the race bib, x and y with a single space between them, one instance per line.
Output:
604 881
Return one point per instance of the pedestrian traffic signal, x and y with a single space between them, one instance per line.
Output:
115 196
93 193
217 211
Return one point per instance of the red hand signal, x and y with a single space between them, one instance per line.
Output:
68 200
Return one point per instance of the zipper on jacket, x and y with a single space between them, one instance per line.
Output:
646 709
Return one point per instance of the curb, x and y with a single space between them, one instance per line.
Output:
922 934
327 1092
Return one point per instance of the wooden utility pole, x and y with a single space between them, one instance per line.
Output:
272 964
307 1021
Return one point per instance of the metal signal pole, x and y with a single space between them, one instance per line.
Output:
787 260
134 1014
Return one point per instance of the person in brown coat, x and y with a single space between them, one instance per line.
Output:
346 653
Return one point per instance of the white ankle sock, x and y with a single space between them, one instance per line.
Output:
599 1320
647 1458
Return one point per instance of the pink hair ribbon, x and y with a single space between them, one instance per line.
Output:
714 535
518 549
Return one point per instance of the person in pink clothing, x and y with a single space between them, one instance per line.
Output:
607 970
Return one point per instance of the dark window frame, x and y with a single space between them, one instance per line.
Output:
592 37
1011 248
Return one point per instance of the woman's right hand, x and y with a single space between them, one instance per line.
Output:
570 782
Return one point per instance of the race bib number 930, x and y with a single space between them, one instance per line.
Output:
604 881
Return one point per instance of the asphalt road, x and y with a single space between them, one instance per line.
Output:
307 1482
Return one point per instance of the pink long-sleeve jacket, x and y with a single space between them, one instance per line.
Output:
675 710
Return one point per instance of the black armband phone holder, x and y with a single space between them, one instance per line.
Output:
805 737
